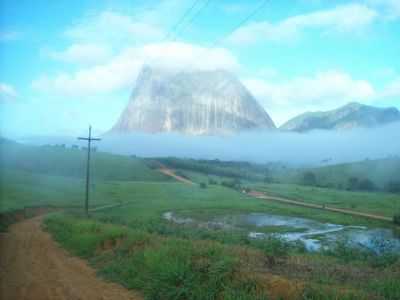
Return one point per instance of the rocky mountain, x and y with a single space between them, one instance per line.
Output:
349 116
191 102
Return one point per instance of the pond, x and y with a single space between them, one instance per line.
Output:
315 235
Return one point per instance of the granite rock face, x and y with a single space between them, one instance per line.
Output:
191 102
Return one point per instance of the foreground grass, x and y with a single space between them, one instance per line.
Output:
161 268
164 266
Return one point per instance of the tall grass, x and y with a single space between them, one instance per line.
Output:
163 268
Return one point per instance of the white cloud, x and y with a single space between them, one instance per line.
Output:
121 71
82 54
111 26
323 91
342 19
392 89
390 8
7 92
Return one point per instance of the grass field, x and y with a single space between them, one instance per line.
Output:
384 204
132 243
57 160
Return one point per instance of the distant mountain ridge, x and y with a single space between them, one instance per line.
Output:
191 102
352 115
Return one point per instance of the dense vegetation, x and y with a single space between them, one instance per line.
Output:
368 175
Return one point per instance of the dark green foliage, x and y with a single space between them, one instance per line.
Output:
203 185
274 246
393 187
381 257
366 185
396 219
356 184
387 288
212 181
309 178
233 184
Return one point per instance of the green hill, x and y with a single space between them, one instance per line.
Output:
71 162
380 172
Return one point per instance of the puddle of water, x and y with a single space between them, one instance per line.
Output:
315 235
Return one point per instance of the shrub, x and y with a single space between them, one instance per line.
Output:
366 185
393 187
309 178
212 181
352 183
396 219
203 185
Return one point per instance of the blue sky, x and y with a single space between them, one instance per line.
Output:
65 64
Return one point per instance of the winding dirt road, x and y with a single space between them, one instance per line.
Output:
33 267
171 173
261 195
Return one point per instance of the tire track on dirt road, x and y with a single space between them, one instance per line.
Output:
34 267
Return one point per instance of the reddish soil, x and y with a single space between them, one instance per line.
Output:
33 267
171 173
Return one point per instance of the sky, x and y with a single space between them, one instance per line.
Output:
67 64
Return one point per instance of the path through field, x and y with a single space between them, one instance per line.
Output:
171 173
33 267
260 195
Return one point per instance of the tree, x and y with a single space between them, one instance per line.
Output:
366 185
203 185
352 183
396 219
309 178
267 176
393 187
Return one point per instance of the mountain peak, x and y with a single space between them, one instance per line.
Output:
351 115
192 102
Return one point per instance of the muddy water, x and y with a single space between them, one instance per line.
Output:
315 235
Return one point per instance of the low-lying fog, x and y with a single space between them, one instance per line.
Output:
257 146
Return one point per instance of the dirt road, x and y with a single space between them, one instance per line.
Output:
304 204
33 267
171 173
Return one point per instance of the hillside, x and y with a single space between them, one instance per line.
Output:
352 115
62 161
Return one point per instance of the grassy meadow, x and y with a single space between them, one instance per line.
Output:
133 245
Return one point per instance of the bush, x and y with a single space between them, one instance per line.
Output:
352 183
396 219
203 185
233 184
212 181
393 187
309 178
366 185
356 184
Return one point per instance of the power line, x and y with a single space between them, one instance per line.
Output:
205 4
241 23
180 21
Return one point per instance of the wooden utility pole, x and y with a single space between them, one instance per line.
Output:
89 139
